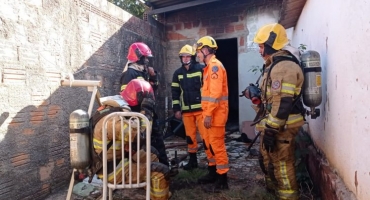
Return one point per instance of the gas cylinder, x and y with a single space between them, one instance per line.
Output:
312 94
79 137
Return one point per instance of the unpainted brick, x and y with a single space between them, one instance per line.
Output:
20 160
239 27
28 131
229 29
45 171
59 162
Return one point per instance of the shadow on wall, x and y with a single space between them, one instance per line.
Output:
34 154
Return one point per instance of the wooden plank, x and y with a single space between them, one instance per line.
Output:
179 6
292 14
290 21
294 4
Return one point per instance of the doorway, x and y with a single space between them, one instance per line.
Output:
227 53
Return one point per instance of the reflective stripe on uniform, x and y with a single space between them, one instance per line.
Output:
159 193
211 161
297 91
293 118
118 170
195 74
175 84
226 166
288 88
261 124
214 100
180 76
288 194
192 106
175 102
275 122
98 144
284 175
125 85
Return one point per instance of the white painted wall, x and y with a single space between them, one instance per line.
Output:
251 58
340 32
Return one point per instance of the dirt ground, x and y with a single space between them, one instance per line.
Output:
246 180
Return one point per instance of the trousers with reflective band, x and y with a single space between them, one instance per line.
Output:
214 141
282 158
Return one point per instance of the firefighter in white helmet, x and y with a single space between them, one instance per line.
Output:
186 99
280 112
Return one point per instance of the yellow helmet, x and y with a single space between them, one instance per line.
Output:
273 35
187 50
206 41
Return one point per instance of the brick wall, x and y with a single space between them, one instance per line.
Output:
221 20
40 41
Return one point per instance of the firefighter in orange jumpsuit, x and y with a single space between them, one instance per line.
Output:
186 99
215 113
280 86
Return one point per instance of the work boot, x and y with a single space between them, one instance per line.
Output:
193 162
221 184
173 171
211 177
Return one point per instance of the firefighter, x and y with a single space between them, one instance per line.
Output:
186 99
137 68
214 116
280 86
137 65
139 96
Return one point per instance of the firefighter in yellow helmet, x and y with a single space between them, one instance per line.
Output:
186 99
280 113
214 116
138 96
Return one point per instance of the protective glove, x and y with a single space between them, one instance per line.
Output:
253 93
269 138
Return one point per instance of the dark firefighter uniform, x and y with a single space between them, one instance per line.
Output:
186 97
137 60
137 71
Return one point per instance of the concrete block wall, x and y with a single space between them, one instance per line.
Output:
221 20
40 42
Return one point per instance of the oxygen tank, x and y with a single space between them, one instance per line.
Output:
312 94
79 138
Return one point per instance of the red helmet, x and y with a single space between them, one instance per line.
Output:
137 50
136 90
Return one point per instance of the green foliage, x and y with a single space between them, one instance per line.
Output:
190 176
302 48
256 69
303 141
132 6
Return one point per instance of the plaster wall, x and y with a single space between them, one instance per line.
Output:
339 31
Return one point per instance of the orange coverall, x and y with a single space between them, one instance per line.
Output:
215 104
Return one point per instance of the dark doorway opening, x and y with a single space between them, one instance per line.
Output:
227 53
